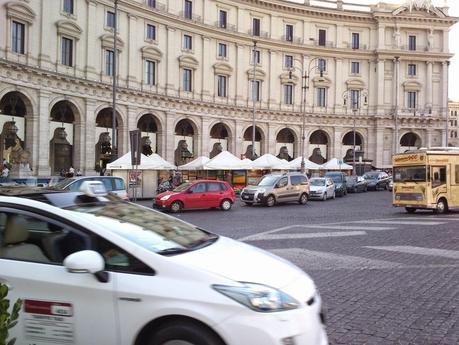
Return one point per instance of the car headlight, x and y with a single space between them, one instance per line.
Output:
165 197
258 297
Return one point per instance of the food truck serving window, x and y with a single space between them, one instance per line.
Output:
457 174
438 176
409 174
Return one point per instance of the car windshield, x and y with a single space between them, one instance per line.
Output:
317 182
182 187
371 176
410 174
62 184
336 178
268 180
149 229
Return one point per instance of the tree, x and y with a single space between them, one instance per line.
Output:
7 320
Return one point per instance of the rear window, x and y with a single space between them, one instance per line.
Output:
298 179
119 184
213 187
108 184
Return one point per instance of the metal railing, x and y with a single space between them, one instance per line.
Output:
358 47
293 40
258 33
158 6
190 16
225 26
326 44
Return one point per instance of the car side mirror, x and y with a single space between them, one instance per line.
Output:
87 261
189 191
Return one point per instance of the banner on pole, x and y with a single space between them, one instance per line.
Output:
135 147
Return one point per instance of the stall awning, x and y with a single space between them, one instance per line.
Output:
153 162
226 161
197 164
269 161
334 164
308 165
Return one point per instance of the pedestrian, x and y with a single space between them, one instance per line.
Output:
71 171
5 173
62 173
78 172
102 171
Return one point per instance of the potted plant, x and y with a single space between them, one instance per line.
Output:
7 320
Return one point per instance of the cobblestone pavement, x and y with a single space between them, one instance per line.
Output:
386 277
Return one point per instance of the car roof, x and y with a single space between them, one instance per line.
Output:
198 181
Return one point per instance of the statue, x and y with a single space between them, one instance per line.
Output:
250 154
283 154
145 144
103 150
60 151
349 155
317 157
182 155
216 149
9 140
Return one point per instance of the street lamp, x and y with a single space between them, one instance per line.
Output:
253 97
355 103
114 134
304 87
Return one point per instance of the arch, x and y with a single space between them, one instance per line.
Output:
220 130
319 137
286 135
148 123
411 140
286 143
185 127
120 115
73 105
348 139
63 111
104 118
221 138
319 146
14 103
259 134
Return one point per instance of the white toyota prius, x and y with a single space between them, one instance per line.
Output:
92 269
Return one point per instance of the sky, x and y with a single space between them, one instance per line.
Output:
453 39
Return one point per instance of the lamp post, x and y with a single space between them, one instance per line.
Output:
253 97
355 98
114 134
397 66
447 110
305 74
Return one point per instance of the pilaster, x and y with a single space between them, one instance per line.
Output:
207 77
169 133
91 43
171 64
133 60
88 146
42 167
429 85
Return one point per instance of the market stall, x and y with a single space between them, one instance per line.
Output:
194 170
225 166
336 164
311 167
143 179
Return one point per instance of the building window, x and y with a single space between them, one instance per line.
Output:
412 42
256 56
221 85
255 27
355 99
188 9
67 52
321 92
355 40
68 6
151 32
187 42
289 32
18 37
322 37
109 60
222 50
412 95
187 79
255 87
322 65
150 72
288 94
355 67
222 19
288 61
151 3
411 69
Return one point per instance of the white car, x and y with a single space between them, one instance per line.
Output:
101 271
322 188
112 184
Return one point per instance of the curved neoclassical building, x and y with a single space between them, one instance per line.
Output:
186 72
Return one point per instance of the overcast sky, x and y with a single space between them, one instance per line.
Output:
453 40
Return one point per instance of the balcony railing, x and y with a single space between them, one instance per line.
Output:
225 26
327 44
407 47
190 16
358 47
257 33
293 40
158 6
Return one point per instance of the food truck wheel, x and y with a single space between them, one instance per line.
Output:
410 209
442 206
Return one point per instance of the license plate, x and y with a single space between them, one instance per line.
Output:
245 197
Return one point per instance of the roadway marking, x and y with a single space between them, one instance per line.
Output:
329 261
348 227
270 237
451 254
400 222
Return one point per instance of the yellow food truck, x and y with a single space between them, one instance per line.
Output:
426 179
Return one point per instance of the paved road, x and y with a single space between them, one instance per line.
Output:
386 277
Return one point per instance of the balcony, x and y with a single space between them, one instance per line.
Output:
190 16
157 6
292 40
256 33
349 45
225 26
418 49
328 44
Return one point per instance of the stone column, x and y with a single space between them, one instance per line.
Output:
172 84
338 85
78 143
274 86
429 85
205 137
339 35
380 87
88 146
381 36
428 134
169 133
133 60
270 146
445 41
238 139
379 146
336 152
208 77
444 102
241 79
42 141
91 43
131 121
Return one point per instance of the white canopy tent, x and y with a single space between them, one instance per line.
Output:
269 161
197 164
308 165
226 161
153 162
334 164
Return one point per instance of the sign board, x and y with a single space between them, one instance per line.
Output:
134 137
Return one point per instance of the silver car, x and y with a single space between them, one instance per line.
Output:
322 188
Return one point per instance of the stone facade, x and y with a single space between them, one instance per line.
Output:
453 127
394 57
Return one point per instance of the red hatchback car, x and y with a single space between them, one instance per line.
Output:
196 194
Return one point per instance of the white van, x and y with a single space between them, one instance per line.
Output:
114 185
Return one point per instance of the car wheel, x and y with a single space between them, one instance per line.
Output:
270 201
325 196
442 206
184 333
303 199
410 209
176 206
225 205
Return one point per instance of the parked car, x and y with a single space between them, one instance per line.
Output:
339 178
377 180
105 271
276 188
356 184
196 194
112 184
322 188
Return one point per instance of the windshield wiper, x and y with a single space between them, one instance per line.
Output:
173 251
203 242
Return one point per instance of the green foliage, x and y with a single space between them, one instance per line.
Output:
7 320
